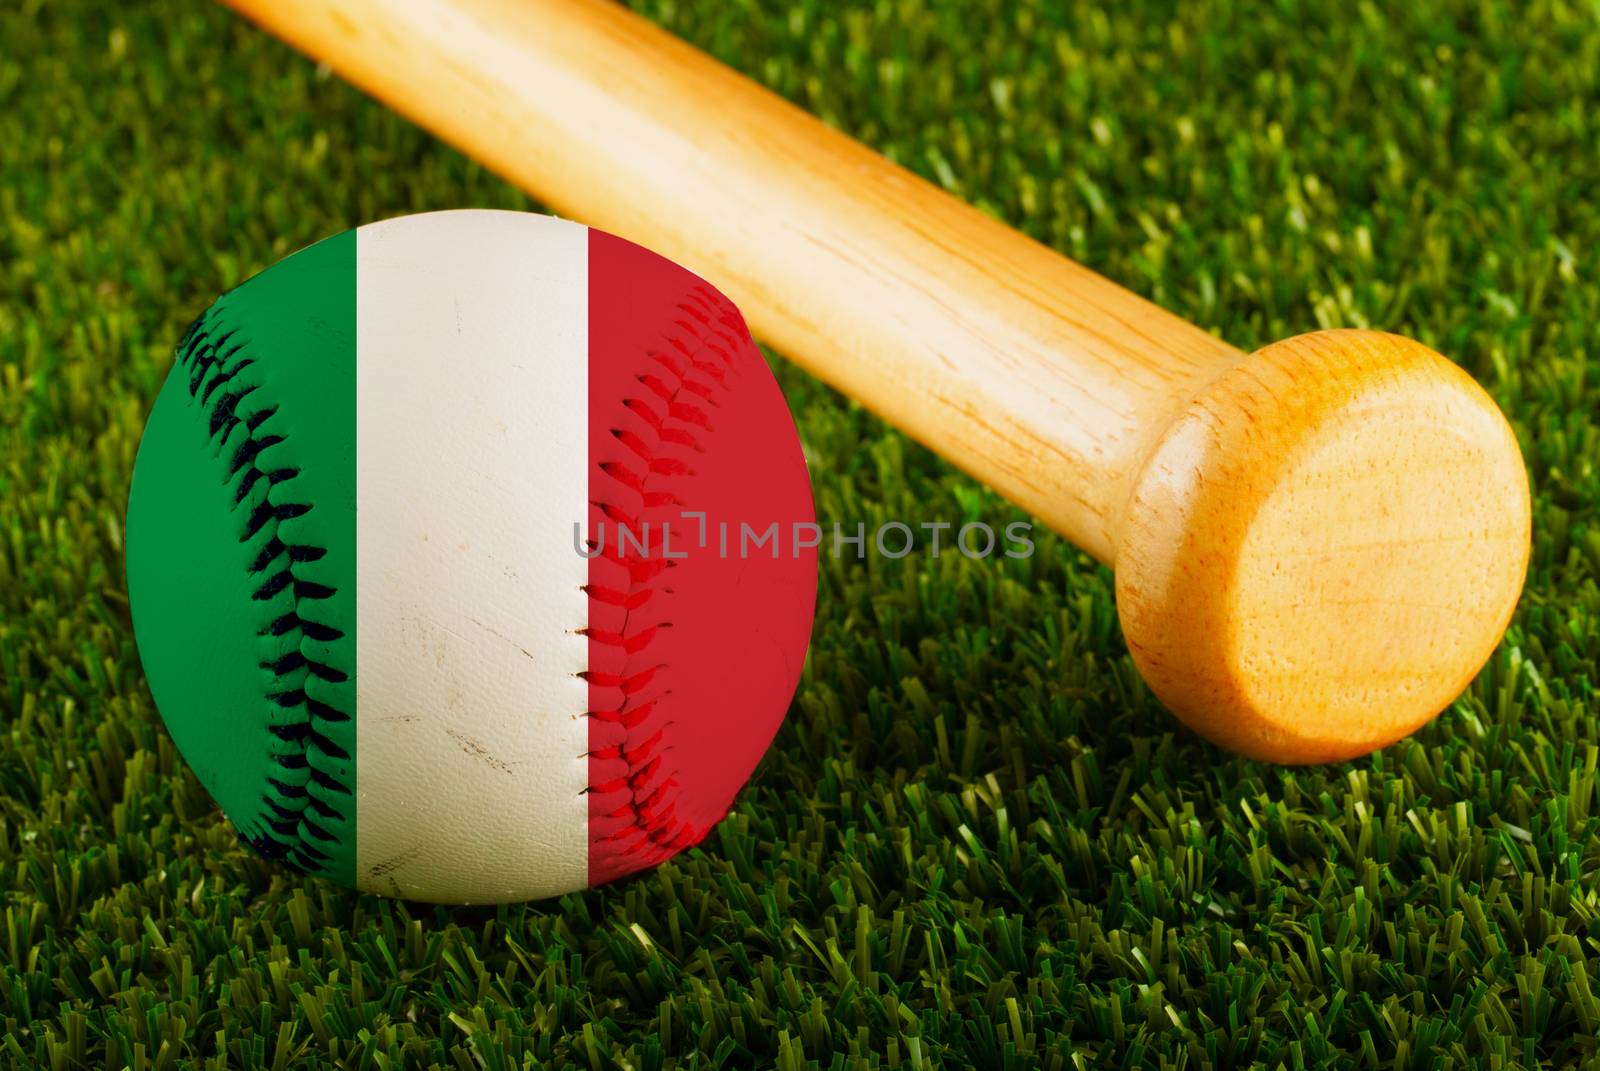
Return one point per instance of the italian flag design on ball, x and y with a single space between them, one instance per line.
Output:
375 572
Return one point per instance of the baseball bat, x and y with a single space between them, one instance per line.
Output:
1316 546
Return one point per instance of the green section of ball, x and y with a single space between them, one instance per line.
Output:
242 556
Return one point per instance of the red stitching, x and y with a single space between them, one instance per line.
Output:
677 410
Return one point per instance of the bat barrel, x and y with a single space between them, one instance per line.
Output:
1324 547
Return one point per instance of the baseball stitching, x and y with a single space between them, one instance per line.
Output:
673 406
215 359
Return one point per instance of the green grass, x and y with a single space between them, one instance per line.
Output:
978 841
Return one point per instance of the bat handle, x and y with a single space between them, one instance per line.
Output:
1023 368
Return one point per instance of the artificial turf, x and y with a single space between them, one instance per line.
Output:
978 841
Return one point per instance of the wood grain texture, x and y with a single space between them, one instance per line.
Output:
1032 373
1324 547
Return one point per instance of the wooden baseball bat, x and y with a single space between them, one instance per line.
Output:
1316 545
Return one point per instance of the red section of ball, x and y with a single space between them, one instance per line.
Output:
695 640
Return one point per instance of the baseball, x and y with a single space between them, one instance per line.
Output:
375 568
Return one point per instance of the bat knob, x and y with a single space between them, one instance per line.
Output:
1325 547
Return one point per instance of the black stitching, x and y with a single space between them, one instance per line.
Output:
243 490
297 660
319 708
291 734
306 857
265 511
201 355
322 809
328 747
317 831
322 780
274 584
215 359
268 555
287 664
246 454
286 814
291 621
224 409
227 377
